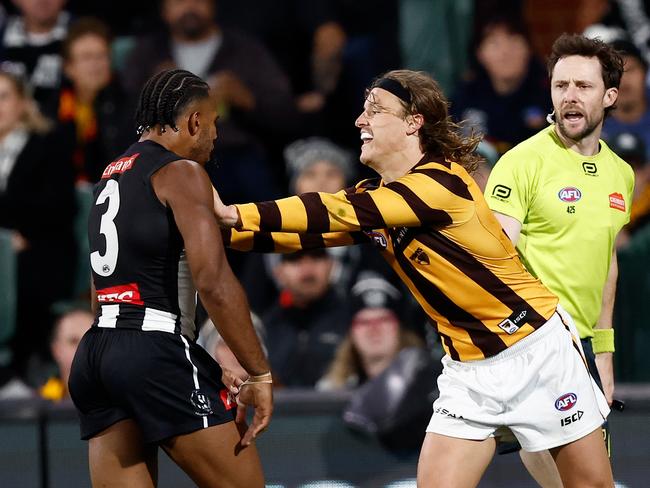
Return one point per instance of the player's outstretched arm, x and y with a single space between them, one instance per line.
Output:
185 188
414 200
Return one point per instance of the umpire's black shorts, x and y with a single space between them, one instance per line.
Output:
166 383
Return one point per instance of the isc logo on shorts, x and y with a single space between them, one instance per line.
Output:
566 402
569 194
571 418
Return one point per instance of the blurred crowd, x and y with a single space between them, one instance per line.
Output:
289 79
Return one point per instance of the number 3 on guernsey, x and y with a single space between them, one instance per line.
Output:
104 265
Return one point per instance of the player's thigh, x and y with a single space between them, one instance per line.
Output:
584 463
212 458
119 458
450 461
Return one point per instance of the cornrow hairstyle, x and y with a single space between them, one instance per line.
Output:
165 95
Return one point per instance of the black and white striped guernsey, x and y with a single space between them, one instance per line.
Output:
138 264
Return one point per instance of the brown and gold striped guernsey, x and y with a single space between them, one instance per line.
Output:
436 231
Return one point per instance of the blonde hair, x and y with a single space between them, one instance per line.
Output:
347 361
32 120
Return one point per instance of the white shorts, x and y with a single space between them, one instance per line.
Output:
539 388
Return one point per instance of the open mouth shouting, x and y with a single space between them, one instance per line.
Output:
573 116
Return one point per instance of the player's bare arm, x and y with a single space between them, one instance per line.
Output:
185 188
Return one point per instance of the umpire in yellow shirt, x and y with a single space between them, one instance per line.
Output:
562 196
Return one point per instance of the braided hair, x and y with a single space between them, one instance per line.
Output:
164 97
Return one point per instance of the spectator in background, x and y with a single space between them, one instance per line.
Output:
506 96
123 17
31 47
92 111
632 112
613 20
331 50
435 37
37 203
212 342
371 48
308 322
66 334
631 148
375 338
393 375
252 92
304 37
313 164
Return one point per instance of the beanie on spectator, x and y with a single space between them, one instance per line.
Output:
301 154
374 292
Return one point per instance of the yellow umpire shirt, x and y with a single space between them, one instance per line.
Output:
571 207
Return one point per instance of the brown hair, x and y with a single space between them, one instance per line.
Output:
347 362
439 135
611 62
83 27
33 120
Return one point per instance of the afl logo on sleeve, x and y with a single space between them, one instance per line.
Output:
501 192
569 194
377 238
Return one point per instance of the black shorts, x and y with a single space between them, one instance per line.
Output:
512 445
166 383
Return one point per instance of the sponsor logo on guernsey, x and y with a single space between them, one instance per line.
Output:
227 399
513 323
617 201
501 192
129 293
119 166
590 168
569 194
201 403
566 402
377 238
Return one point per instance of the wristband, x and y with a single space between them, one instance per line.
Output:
260 378
603 341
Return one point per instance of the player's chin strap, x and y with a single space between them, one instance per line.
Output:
260 378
